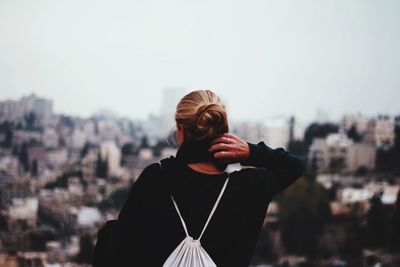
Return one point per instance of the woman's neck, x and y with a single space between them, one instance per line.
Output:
196 154
205 167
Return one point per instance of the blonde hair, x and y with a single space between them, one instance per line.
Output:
202 115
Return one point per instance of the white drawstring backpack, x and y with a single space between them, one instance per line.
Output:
190 253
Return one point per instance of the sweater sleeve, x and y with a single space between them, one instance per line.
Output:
276 167
133 218
136 193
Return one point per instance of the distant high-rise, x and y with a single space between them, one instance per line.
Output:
37 105
321 115
12 109
277 132
110 151
170 99
291 128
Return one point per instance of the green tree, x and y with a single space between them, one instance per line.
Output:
145 142
336 164
34 169
7 128
3 223
23 157
319 130
30 120
353 134
264 251
361 171
14 150
8 138
85 149
303 211
376 222
395 226
159 146
386 160
128 149
40 236
101 166
171 139
106 167
62 142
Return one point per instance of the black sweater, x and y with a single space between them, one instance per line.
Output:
151 228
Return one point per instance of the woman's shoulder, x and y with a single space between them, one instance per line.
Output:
153 171
152 168
252 179
247 177
248 187
156 167
148 174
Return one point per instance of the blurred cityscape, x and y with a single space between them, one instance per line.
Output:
62 177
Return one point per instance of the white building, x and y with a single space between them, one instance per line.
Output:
22 136
11 110
24 209
9 165
37 105
50 138
338 147
358 120
109 129
360 154
57 157
109 150
14 109
89 131
146 154
277 132
252 132
88 216
380 131
351 195
299 130
78 139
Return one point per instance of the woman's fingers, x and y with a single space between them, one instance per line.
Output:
229 148
226 138
220 139
219 146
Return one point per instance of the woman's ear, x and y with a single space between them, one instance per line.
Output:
179 133
180 128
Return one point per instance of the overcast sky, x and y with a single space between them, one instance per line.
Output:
266 58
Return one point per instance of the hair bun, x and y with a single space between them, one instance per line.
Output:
202 114
210 122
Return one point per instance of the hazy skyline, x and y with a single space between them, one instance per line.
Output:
266 58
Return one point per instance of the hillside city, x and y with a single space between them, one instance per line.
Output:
62 177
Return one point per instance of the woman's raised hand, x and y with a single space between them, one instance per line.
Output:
229 148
